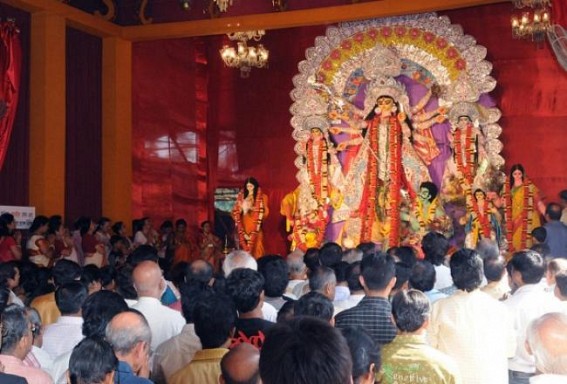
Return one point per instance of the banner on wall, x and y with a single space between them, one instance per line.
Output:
22 215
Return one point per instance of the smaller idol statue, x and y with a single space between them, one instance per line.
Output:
249 213
481 221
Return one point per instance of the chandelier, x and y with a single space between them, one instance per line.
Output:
243 56
223 4
534 24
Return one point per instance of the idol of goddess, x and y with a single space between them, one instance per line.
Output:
481 221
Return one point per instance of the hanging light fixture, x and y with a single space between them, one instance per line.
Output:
243 56
223 4
532 25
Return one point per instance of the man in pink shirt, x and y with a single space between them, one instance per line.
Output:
16 343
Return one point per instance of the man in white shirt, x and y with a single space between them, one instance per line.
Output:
471 326
528 302
62 336
547 342
297 271
150 284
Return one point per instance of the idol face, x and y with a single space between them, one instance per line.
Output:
385 103
424 194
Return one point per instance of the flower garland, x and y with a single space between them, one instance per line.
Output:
527 213
318 181
483 217
394 191
257 215
467 165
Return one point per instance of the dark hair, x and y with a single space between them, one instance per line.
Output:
353 277
55 222
321 277
190 294
70 297
5 219
65 271
214 316
256 185
494 268
15 325
529 264
405 254
311 259
422 276
7 271
435 247
125 282
431 188
561 282
201 271
410 310
179 222
245 286
330 254
91 274
553 211
563 194
363 351
178 273
314 304
97 311
103 220
366 248
539 233
403 272
4 298
275 272
143 252
116 227
341 269
91 361
517 167
38 222
305 351
167 224
205 222
85 225
541 248
466 269
286 312
107 275
377 269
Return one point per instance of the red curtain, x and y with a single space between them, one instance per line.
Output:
83 133
169 135
10 70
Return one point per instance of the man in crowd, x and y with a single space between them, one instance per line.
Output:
274 270
241 365
547 342
409 359
62 336
373 313
556 237
528 302
150 284
497 283
324 281
325 356
297 271
246 288
315 304
130 336
472 327
214 317
17 341
422 278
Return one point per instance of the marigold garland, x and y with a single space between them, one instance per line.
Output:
257 215
526 215
483 217
466 166
318 178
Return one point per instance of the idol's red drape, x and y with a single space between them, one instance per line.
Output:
10 70
169 139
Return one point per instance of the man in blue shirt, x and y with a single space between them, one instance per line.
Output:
556 237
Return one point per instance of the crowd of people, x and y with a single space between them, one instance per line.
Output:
131 310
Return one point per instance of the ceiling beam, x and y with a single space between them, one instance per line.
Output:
74 17
290 19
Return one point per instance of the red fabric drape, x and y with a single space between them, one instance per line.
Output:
170 106
10 70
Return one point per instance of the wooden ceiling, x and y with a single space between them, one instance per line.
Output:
96 25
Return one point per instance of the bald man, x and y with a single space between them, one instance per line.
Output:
241 365
150 284
130 337
547 342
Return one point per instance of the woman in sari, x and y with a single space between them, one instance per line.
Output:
210 246
39 250
93 250
249 213
10 239
523 206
